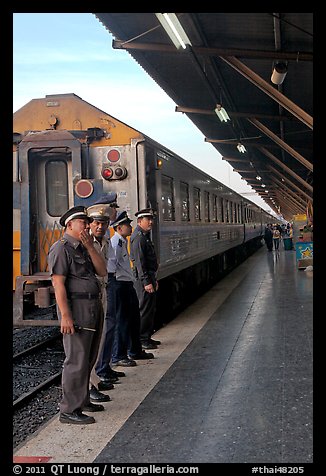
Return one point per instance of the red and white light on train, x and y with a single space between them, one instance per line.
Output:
111 172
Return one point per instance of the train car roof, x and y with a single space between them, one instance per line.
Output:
230 62
70 112
35 117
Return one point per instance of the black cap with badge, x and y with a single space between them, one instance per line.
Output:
146 212
72 213
100 210
109 198
121 219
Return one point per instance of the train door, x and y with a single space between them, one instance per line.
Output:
50 195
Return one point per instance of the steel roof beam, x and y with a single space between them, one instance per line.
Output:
272 117
289 203
212 51
282 144
269 90
294 195
298 189
245 142
287 169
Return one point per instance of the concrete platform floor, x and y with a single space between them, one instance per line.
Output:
231 382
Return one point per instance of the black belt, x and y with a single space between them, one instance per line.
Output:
84 296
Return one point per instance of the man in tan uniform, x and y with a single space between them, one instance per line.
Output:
74 264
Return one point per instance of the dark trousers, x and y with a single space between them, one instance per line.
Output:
269 243
276 243
81 350
147 308
127 331
102 367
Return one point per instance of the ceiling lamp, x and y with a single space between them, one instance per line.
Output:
279 73
241 148
174 29
221 113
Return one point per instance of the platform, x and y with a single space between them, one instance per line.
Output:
231 382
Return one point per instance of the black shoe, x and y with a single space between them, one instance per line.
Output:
76 418
125 363
91 407
142 356
148 345
156 342
110 378
96 396
105 385
115 373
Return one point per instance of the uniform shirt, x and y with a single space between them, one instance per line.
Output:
143 256
69 258
102 248
111 265
122 260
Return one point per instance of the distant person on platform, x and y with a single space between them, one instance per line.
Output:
268 237
145 266
74 265
276 237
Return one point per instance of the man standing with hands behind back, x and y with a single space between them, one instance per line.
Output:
73 264
101 212
145 266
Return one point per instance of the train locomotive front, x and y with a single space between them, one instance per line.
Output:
68 152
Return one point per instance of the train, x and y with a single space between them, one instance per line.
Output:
67 152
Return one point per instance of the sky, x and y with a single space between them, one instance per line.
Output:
59 53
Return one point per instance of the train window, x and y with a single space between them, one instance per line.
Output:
168 210
231 212
197 203
227 211
56 177
215 208
206 206
222 209
184 195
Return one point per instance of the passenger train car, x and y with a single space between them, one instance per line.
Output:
67 152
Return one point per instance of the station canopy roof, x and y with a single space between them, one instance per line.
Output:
228 61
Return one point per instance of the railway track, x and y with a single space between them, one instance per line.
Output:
34 348
36 368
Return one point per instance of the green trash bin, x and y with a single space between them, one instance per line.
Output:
287 243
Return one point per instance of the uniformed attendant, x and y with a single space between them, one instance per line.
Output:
74 264
101 212
145 266
127 345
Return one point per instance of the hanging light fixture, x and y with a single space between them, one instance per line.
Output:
221 113
241 148
174 29
279 73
